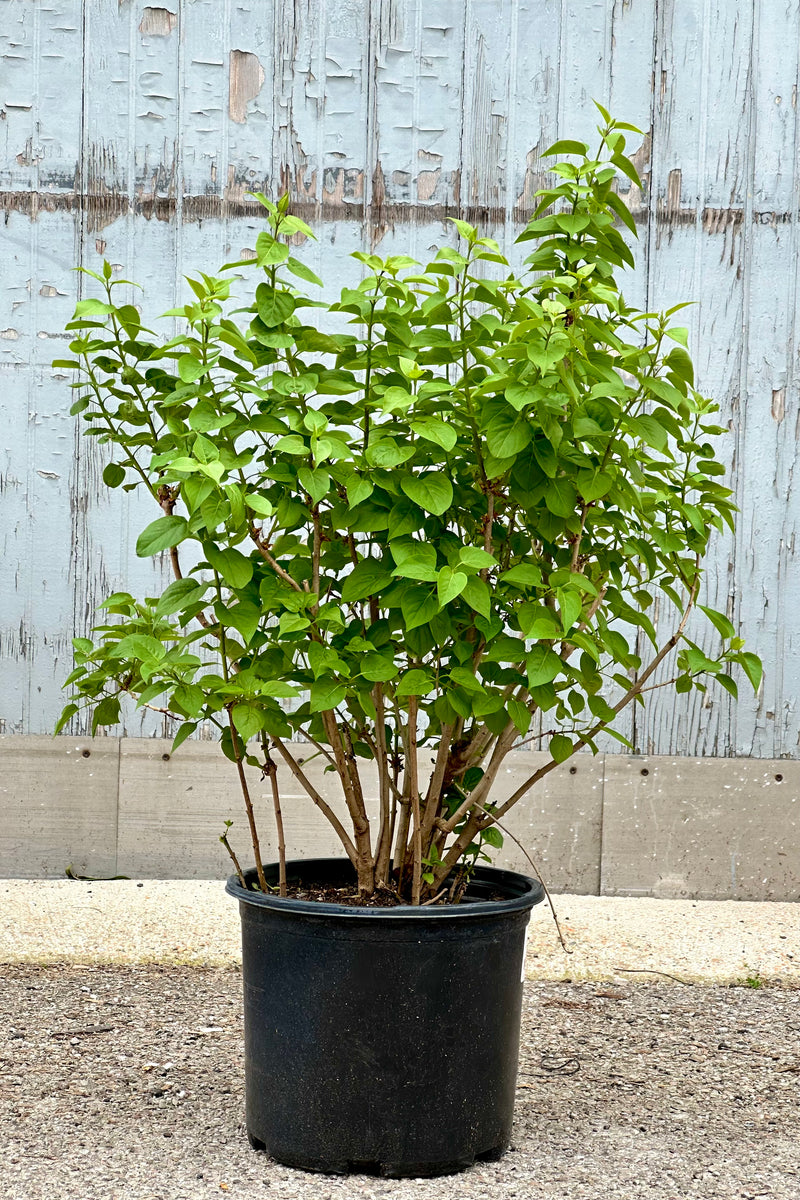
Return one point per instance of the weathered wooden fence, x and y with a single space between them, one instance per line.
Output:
135 133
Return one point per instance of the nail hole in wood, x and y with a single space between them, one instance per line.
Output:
165 757
779 779
644 771
86 753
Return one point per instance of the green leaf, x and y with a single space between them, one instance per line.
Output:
185 731
560 747
161 535
248 719
292 623
416 682
476 558
571 606
244 617
326 694
396 399
122 602
184 464
468 232
303 272
214 470
386 452
260 505
415 560
106 712
623 212
432 491
572 223
235 494
205 416
291 444
269 252
561 498
291 224
477 595
752 666
678 360
537 622
728 684
520 716
274 306
507 433
377 668
359 490
618 737
594 485
92 308
600 708
67 714
449 585
317 482
140 647
278 689
565 146
434 430
179 595
543 666
113 475
719 621
650 430
698 661
626 166
418 606
190 368
367 577
523 575
404 518
492 836
466 679
190 698
235 569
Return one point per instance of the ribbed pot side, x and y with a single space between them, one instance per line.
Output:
382 1040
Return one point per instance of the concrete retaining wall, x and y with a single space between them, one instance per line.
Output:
609 825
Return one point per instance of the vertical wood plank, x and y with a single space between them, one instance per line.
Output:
696 252
41 108
485 107
769 413
131 214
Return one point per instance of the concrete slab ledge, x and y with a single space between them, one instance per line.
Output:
612 825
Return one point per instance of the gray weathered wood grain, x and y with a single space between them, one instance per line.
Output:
134 132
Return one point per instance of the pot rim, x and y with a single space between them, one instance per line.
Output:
523 894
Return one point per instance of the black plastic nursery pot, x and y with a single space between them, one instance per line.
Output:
382 1040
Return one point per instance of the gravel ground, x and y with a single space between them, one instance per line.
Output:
660 1058
125 1082
195 922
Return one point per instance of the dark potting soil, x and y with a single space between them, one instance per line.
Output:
349 895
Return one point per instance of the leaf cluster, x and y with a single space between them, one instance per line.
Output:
447 517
